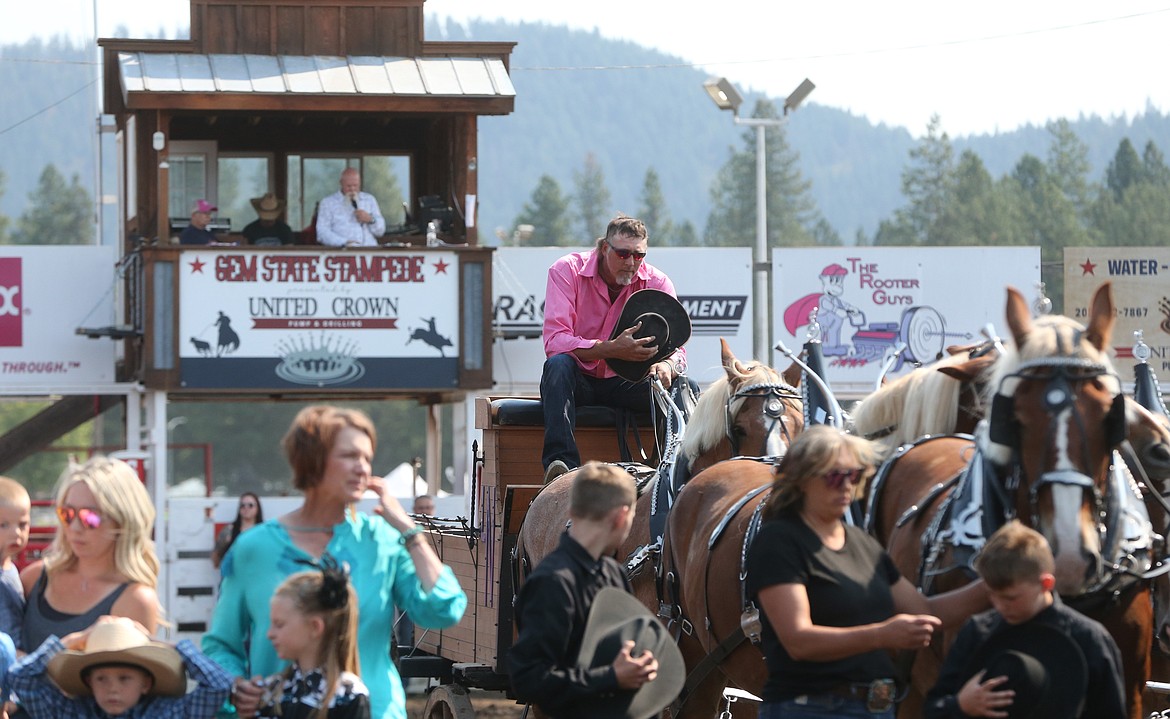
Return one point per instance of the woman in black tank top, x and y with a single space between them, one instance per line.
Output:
102 560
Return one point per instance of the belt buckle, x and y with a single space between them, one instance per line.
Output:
880 697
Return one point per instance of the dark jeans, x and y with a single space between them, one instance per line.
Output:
820 706
563 387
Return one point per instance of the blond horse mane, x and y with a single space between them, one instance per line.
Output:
924 401
708 423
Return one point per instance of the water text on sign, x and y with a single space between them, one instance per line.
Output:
868 278
1133 267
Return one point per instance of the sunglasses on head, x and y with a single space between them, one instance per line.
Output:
89 518
626 254
836 478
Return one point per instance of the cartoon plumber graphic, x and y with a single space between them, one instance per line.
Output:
832 311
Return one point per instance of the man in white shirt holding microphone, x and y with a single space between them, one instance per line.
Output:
350 217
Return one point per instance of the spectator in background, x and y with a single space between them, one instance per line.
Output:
268 230
248 515
197 233
424 504
15 509
349 217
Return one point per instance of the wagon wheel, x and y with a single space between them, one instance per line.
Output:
449 701
924 333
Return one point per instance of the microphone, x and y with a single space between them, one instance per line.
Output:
353 201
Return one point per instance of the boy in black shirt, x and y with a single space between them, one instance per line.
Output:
1026 622
554 603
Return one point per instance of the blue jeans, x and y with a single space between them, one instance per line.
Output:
820 706
562 387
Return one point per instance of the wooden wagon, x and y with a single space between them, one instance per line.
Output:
507 476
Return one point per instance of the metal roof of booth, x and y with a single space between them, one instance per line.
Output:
144 74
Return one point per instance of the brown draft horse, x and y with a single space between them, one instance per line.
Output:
752 408
1061 416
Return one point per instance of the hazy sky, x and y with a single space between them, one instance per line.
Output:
994 65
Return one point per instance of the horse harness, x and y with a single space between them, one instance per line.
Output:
671 479
670 611
979 499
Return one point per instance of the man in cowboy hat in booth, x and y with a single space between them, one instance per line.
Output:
1030 657
603 333
268 230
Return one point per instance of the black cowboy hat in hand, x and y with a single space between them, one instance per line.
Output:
1045 669
615 618
663 318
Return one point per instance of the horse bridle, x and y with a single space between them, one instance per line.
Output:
1061 374
773 395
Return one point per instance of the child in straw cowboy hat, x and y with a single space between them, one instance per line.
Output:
113 670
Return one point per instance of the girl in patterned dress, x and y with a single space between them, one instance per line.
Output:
314 619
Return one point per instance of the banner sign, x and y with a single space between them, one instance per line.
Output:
331 320
713 284
1141 294
46 294
868 299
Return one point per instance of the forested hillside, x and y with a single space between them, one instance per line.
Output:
651 115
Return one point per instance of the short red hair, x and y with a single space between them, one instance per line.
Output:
311 437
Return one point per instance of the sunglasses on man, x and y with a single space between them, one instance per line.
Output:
89 518
625 254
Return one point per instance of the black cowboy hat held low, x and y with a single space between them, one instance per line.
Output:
1045 669
663 318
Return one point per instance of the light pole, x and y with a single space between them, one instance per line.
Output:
727 97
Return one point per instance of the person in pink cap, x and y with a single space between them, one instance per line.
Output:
197 233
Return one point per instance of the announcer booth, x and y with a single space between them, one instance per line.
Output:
279 96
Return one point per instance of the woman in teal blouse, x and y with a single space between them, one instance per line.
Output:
391 564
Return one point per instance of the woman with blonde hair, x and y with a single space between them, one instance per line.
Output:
833 603
102 560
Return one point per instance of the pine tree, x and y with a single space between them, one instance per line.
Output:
653 212
592 198
790 207
1124 171
1154 170
685 235
928 184
57 214
1049 218
548 212
1068 164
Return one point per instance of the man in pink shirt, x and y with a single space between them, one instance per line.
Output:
584 299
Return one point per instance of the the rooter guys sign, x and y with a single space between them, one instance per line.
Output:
300 320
